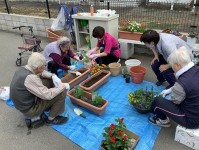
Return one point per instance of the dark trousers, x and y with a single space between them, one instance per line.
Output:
55 105
167 75
163 108
107 59
53 66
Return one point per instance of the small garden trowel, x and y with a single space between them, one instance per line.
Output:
79 112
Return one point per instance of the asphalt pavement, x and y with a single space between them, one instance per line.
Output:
14 133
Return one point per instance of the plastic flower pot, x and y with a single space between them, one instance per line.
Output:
115 68
137 73
132 62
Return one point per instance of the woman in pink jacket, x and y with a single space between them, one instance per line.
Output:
108 46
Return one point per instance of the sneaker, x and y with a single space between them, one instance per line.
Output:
57 120
160 83
157 121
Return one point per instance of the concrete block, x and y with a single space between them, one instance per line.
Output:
16 24
127 50
15 18
2 22
22 19
39 21
4 27
9 23
30 20
188 137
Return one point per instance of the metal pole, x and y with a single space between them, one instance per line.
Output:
48 9
7 8
108 5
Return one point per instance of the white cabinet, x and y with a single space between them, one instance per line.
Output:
83 35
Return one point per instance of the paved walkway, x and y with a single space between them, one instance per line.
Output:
13 130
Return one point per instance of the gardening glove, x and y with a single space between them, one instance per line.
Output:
78 73
90 52
94 56
67 86
166 92
56 80
72 67
77 58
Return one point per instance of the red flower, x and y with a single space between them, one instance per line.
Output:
112 126
125 137
113 139
110 133
121 120
120 133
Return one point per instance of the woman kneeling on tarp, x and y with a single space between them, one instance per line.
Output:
107 45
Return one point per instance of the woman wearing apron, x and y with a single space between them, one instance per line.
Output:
107 49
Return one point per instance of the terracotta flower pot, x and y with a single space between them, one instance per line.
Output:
54 35
115 68
95 81
94 109
130 135
130 35
137 73
73 80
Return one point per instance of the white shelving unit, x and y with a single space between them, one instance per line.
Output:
110 24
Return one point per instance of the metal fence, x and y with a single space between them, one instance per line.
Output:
181 15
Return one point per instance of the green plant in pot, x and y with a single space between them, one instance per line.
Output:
97 100
142 99
79 92
133 26
126 74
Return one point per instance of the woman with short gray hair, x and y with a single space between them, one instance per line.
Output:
183 106
58 54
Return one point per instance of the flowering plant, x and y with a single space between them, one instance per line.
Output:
142 98
115 138
132 26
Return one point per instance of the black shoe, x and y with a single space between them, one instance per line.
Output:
159 83
43 117
57 120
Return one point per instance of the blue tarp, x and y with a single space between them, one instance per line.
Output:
88 132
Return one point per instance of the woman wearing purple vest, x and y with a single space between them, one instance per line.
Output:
183 106
58 55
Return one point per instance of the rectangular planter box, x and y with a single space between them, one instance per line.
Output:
129 35
96 110
75 79
130 135
97 84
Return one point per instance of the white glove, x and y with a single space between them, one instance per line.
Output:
72 67
56 80
77 58
67 86
78 73
166 92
